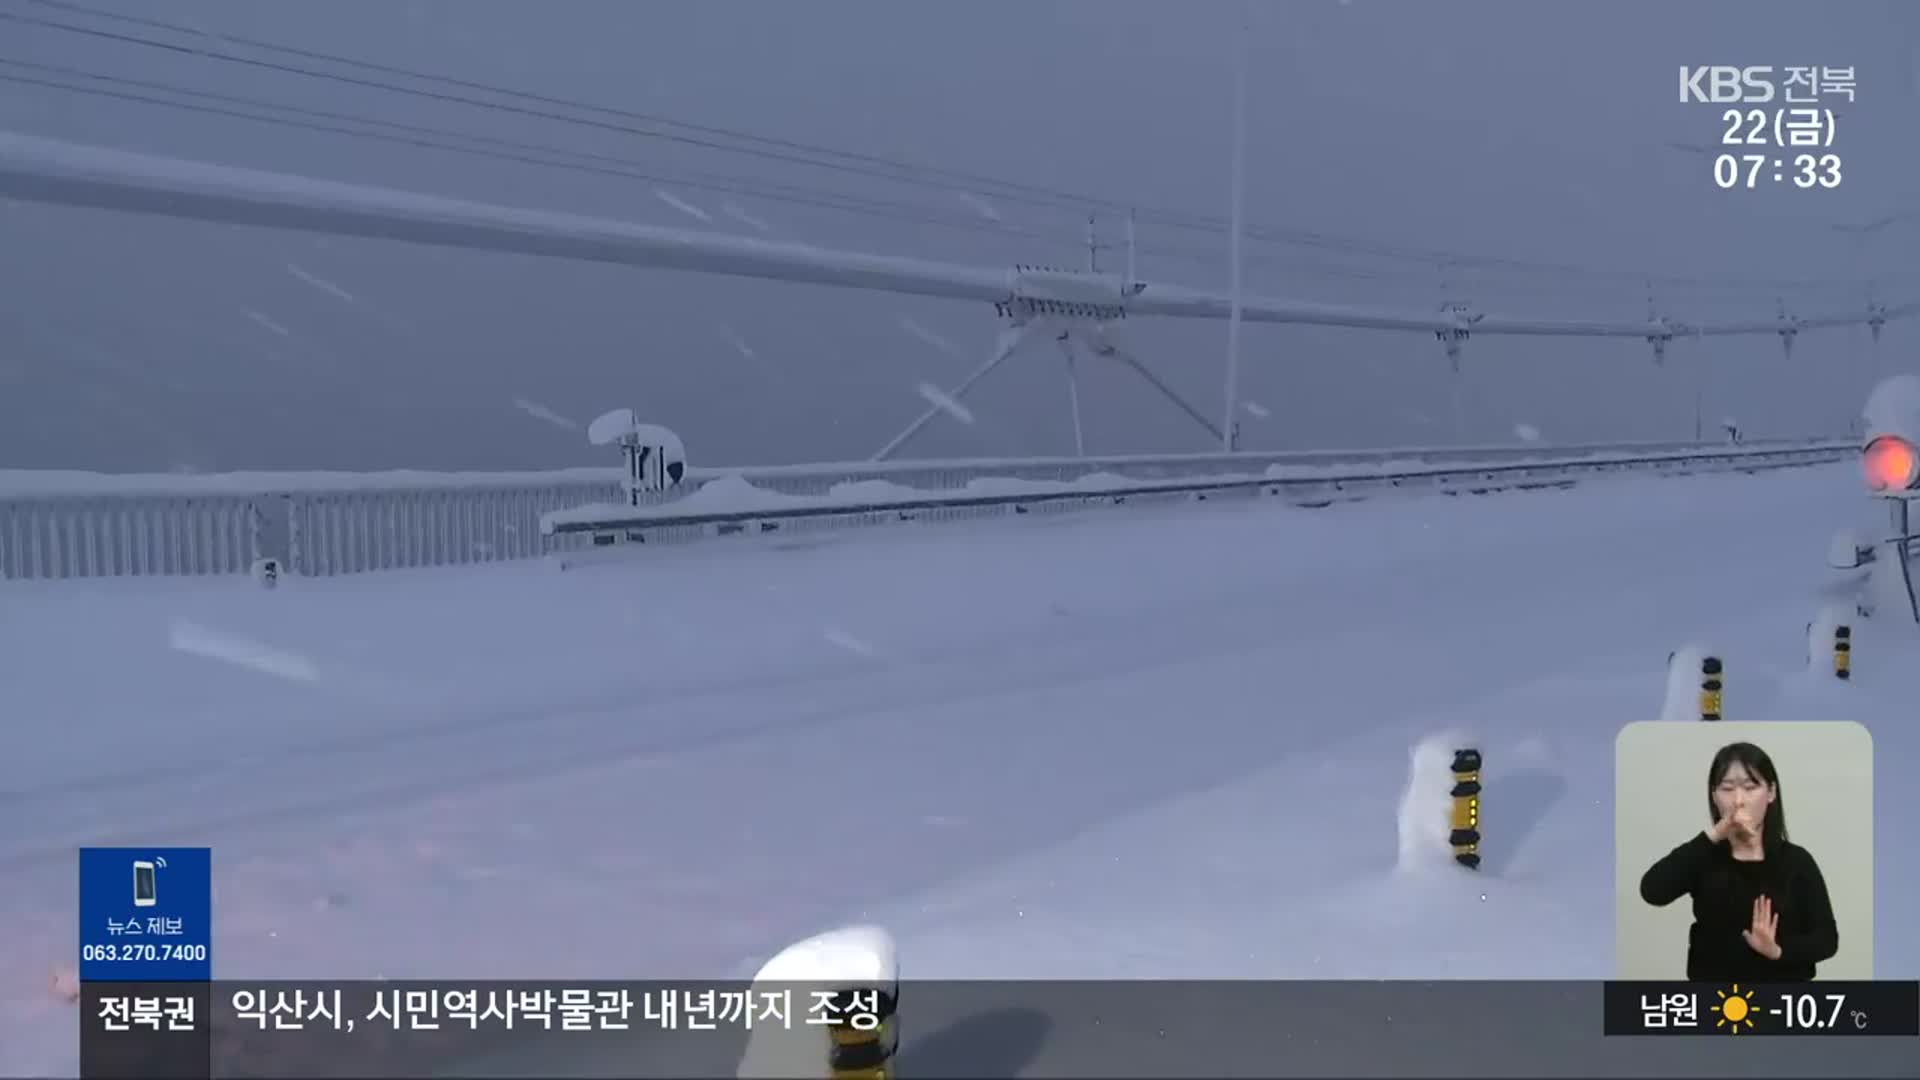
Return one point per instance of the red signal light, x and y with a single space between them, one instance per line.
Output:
1892 464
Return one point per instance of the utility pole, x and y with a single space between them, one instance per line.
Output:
1227 423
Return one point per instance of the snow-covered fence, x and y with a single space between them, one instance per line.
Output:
94 536
68 525
73 525
735 506
349 531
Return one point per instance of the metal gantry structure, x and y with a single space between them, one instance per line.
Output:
1080 309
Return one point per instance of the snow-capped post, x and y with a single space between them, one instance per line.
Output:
842 992
655 457
1465 836
1789 329
1694 674
1660 339
865 1034
266 572
1712 673
1659 330
1830 644
1237 197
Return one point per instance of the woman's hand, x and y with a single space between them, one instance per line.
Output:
1762 936
1720 830
1743 823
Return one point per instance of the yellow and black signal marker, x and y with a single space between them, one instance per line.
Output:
1711 675
1843 652
1465 836
865 1040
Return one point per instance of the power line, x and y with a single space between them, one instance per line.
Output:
1072 201
425 138
1063 198
421 136
874 166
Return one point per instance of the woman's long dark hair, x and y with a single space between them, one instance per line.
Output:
1773 831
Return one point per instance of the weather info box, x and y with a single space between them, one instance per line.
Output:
1732 1008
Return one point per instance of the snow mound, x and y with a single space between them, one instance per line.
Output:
1894 408
611 426
1093 481
860 957
859 491
851 957
734 492
1008 485
1426 806
1844 552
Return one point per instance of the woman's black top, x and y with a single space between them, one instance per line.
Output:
1724 889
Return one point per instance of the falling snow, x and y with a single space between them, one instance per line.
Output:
734 211
981 206
849 642
946 403
269 324
739 343
197 640
913 326
541 412
1526 432
320 283
1256 410
682 205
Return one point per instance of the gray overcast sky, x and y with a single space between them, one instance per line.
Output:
1535 131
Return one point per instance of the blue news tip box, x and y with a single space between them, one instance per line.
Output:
146 914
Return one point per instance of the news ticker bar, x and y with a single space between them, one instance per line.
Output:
401 1029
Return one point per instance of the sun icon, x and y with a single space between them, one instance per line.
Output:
1735 1009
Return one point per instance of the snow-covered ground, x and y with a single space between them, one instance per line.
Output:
1147 743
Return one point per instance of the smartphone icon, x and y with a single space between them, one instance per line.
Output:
146 890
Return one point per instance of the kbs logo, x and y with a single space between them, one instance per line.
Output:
1723 84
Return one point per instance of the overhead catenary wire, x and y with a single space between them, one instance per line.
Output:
421 139
39 169
427 137
812 155
948 177
424 137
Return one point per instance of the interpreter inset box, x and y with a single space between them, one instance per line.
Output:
1743 851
